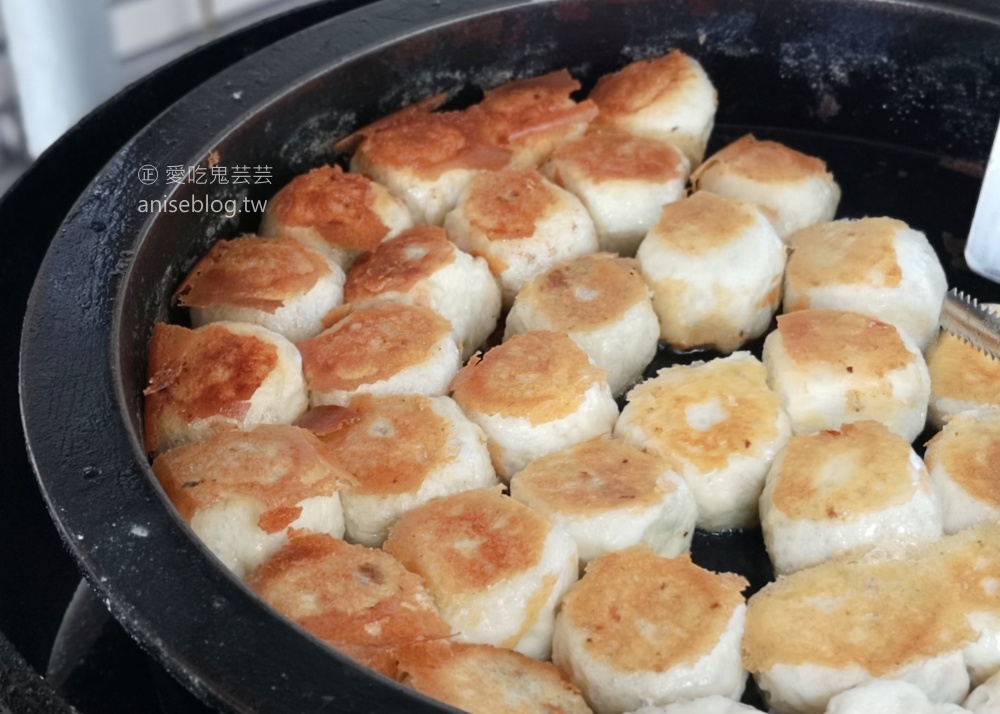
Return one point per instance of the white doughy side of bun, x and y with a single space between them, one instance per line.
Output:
611 691
960 510
666 527
705 705
464 292
985 699
427 199
808 688
789 206
299 318
982 657
515 441
683 119
229 529
281 397
887 697
623 210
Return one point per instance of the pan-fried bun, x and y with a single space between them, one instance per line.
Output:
715 268
831 367
791 189
243 492
483 679
962 377
600 301
623 180
878 267
640 629
927 615
392 348
534 394
964 464
426 158
495 567
532 116
277 283
403 450
421 267
836 490
719 425
358 600
608 496
668 98
336 213
521 223
220 377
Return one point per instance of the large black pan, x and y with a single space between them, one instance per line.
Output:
900 98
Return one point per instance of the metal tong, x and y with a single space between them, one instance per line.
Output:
975 324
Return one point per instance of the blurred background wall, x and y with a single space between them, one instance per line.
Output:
61 58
